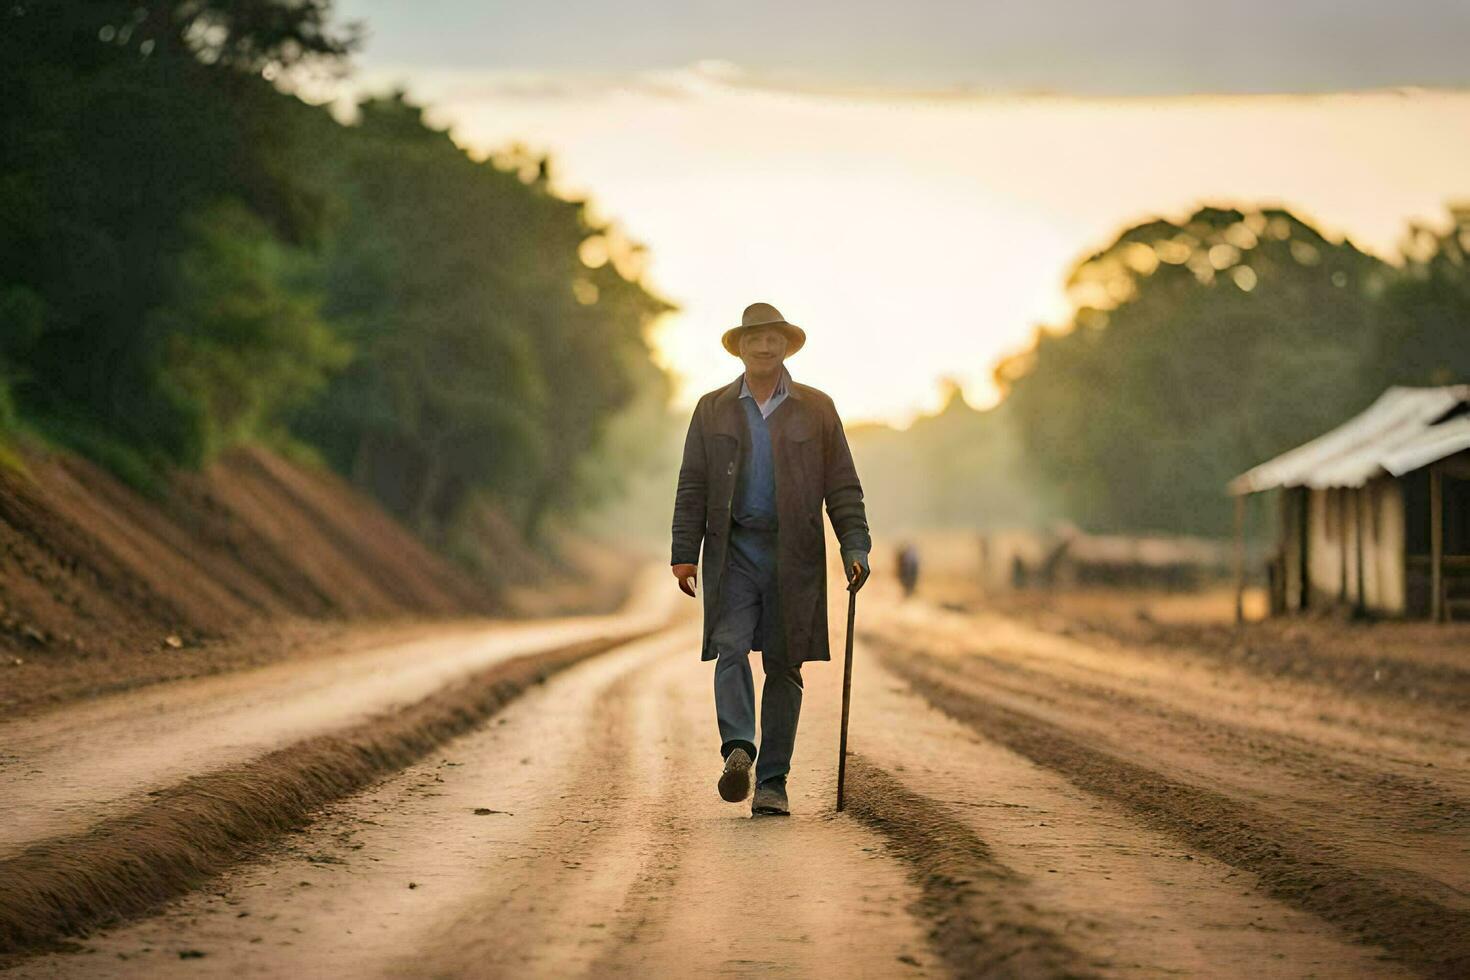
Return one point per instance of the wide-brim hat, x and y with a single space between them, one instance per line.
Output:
764 315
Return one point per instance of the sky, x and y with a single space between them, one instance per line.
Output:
910 183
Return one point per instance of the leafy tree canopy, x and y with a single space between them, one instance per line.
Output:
1201 347
191 257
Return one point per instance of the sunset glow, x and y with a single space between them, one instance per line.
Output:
923 238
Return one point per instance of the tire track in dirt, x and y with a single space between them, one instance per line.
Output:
1410 818
1388 909
1387 798
984 924
672 881
617 857
1394 830
451 867
1420 741
723 893
554 914
1132 899
128 865
646 910
1402 662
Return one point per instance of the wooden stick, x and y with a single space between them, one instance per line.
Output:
846 696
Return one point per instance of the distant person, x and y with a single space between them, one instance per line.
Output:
908 568
762 454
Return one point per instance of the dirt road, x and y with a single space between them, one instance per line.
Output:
1022 804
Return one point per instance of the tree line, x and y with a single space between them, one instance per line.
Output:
191 257
1198 348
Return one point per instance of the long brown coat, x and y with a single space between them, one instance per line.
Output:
812 464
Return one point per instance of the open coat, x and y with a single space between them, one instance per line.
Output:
813 464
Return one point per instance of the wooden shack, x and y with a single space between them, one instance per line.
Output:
1375 515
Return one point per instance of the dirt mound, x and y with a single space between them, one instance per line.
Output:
102 587
983 922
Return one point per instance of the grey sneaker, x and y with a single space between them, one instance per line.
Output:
770 800
735 780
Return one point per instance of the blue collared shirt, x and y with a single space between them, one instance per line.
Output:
777 396
755 494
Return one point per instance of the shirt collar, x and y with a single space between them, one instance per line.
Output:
780 389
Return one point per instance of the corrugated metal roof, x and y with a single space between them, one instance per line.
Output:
1396 434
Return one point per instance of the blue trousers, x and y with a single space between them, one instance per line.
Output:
750 597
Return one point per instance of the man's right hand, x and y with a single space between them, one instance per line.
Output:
686 574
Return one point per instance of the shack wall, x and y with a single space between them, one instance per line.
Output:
1324 548
1342 569
1387 592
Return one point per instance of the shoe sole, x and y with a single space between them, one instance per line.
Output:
767 811
735 780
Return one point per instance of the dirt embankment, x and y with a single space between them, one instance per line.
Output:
103 588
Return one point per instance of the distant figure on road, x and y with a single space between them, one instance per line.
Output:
761 456
908 567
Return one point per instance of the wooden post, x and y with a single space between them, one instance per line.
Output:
1304 517
1358 523
1436 545
1279 601
1240 558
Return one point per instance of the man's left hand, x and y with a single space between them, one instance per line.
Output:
855 564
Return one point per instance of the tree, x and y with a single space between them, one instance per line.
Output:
123 124
1425 338
191 257
1197 349
956 468
241 340
490 354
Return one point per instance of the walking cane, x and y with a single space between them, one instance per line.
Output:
846 692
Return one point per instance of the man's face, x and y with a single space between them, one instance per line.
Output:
763 349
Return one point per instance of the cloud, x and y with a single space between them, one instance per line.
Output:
462 85
448 87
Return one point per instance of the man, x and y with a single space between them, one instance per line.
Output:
908 567
761 456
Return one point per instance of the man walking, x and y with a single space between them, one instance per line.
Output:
761 456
